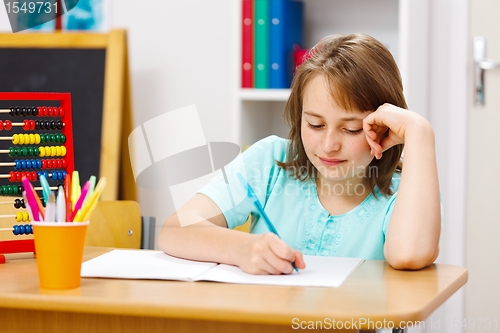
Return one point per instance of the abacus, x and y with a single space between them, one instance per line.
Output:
41 142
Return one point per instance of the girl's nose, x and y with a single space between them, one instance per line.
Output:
331 142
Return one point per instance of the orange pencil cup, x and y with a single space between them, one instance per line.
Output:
59 253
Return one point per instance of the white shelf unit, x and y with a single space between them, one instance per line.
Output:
248 94
259 112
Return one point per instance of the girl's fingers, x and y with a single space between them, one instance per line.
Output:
270 255
269 268
281 257
299 260
371 138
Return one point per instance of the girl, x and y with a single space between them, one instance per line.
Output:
336 187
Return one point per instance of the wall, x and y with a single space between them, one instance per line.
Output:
448 96
180 54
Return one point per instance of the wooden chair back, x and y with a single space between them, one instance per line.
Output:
115 223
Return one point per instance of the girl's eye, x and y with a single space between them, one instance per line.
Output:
314 126
354 131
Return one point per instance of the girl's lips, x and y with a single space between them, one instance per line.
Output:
331 161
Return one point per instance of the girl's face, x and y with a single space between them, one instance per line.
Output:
333 138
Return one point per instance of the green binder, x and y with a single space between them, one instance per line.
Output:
261 43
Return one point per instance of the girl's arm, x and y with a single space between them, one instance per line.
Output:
412 240
198 231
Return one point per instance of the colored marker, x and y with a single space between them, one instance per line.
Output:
75 188
45 188
28 190
92 181
86 211
50 209
60 205
80 201
67 194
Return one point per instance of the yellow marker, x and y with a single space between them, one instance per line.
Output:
88 207
92 181
75 188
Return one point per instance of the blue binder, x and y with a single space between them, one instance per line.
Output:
285 29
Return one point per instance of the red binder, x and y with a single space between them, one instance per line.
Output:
247 44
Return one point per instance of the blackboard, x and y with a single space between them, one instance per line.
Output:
94 69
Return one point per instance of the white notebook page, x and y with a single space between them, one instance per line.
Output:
141 264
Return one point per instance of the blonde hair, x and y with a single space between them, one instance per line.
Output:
362 75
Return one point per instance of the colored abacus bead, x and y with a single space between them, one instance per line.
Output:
44 173
16 176
45 111
25 139
22 217
21 229
19 203
5 190
24 151
11 189
28 125
8 125
58 175
16 230
59 163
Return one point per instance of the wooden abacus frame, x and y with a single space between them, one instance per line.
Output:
64 99
117 111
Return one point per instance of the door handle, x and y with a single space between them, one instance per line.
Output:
481 64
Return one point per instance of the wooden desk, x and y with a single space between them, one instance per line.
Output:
373 293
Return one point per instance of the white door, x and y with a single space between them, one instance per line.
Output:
482 301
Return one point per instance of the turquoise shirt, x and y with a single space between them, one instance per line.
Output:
294 207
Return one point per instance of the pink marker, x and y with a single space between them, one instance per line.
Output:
80 200
30 196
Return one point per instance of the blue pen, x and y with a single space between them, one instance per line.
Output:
256 202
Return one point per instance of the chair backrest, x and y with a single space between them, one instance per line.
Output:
115 224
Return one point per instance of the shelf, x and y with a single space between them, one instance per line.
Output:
248 94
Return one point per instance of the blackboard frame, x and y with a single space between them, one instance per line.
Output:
116 110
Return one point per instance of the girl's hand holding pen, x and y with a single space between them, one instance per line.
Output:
268 254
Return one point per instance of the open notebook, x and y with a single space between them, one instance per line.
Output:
143 264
